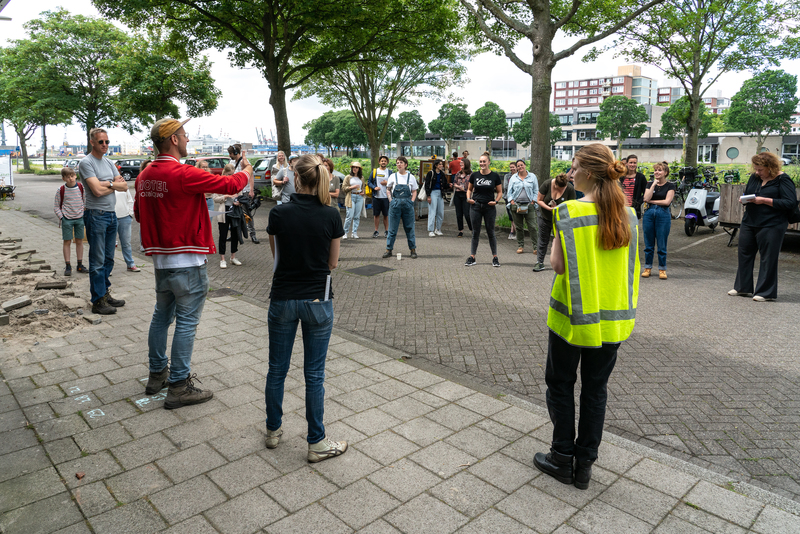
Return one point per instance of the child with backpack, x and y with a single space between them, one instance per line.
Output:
68 206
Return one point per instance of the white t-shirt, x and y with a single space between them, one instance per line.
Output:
403 179
380 175
355 180
177 261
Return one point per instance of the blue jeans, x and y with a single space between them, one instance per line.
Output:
435 211
124 233
180 295
353 215
656 223
401 209
316 319
101 231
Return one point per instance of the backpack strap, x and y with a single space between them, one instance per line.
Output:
61 192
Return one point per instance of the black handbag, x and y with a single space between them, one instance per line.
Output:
794 215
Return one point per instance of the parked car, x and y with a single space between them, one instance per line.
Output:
129 168
215 164
262 171
786 161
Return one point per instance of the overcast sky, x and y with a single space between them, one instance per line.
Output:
492 78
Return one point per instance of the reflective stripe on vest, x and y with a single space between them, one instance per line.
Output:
575 325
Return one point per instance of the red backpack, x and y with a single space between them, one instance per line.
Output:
61 191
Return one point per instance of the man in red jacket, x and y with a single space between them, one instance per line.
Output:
172 212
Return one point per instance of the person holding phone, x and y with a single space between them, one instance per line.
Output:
238 158
353 188
551 194
657 219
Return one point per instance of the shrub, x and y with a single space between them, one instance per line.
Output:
503 221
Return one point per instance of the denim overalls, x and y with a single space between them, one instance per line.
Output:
401 207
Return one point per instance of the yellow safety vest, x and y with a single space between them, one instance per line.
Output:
594 301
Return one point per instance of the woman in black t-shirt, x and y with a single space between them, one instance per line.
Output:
657 220
484 191
304 236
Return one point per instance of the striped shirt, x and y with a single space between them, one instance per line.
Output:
72 208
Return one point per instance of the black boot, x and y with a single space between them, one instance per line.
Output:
387 254
555 464
583 473
111 301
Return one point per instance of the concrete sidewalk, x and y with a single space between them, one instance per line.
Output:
83 449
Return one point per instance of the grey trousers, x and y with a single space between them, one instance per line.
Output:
545 229
519 221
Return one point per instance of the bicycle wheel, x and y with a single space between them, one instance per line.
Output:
676 207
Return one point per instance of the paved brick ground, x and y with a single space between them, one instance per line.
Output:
427 453
705 377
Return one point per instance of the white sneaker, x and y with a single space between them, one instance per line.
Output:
438 232
273 437
327 448
235 261
735 293
355 236
431 234
759 298
223 265
344 236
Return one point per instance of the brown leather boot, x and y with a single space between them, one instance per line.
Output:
157 381
183 393
646 273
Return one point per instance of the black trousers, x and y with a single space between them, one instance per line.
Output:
488 213
766 242
462 209
223 236
560 375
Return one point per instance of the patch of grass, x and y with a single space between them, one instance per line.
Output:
692 505
503 221
84 454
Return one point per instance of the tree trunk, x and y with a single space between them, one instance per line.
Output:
619 147
693 127
44 142
540 111
374 148
23 146
277 99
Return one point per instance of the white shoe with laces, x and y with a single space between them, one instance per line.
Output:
438 232
223 265
327 448
235 261
431 234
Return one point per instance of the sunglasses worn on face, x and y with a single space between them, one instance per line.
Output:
103 142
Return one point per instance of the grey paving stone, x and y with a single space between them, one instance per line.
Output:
378 527
547 514
201 412
724 503
60 428
11 373
449 390
29 488
520 419
96 367
150 422
335 411
392 389
143 451
241 417
23 462
424 514
523 449
40 395
706 520
567 492
241 442
368 357
360 504
387 447
93 499
246 513
775 521
134 518
194 432
313 518
598 517
476 441
188 463
187 499
12 420
239 395
360 400
503 472
127 373
675 525
639 500
615 458
406 408
443 459
15 440
62 450
195 525
94 466
372 421
423 431
404 479
77 528
661 477
454 417
429 399
468 494
81 386
75 403
137 483
102 438
109 413
42 517
19 385
299 488
482 404
494 521
54 377
38 413
418 378
347 468
8 403
133 389
243 474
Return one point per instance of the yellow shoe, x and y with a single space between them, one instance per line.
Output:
662 274
646 273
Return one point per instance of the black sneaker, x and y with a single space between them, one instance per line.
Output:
111 301
495 262
82 269
375 234
413 254
68 270
470 262
101 307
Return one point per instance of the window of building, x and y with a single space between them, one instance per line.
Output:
592 91
561 93
791 151
565 119
617 89
581 101
706 153
561 85
594 82
571 93
571 84
636 91
706 101
619 79
637 82
593 100
584 83
732 152
588 118
663 98
560 102
583 92
571 101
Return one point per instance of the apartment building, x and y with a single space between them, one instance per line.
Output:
590 92
717 104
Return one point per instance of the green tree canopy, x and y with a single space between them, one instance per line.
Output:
320 131
489 121
696 41
347 132
764 105
521 131
621 118
675 121
453 120
410 125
